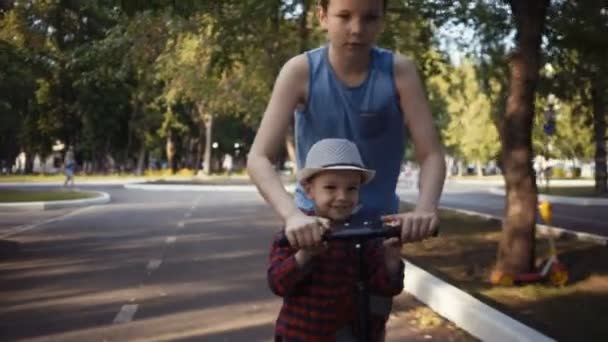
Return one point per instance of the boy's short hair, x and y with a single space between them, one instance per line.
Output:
325 3
333 154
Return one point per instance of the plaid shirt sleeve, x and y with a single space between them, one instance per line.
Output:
284 274
380 281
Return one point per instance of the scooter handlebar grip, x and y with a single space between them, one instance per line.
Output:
365 233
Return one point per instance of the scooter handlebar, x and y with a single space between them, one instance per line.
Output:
363 232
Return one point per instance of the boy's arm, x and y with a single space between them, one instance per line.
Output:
287 268
417 116
385 275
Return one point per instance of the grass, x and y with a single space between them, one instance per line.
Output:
465 253
39 196
57 178
93 177
570 191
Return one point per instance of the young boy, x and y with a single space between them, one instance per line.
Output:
353 90
318 283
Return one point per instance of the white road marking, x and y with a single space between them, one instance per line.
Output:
126 313
171 239
180 224
153 264
24 228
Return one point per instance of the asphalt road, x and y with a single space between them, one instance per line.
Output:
152 266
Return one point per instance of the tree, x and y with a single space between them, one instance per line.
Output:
573 133
186 70
17 86
494 22
578 48
516 247
468 106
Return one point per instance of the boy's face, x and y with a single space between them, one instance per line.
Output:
335 193
353 25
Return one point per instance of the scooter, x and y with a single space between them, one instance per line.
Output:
552 271
358 234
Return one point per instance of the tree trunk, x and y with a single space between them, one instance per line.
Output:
170 150
479 168
516 248
201 145
208 120
303 30
28 168
141 160
131 129
599 128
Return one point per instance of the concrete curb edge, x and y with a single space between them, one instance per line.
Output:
464 310
102 198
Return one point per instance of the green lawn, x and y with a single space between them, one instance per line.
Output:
60 178
38 196
465 253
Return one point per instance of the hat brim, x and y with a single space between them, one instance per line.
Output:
306 173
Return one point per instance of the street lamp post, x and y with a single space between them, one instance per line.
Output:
213 165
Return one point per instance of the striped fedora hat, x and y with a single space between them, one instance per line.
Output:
334 154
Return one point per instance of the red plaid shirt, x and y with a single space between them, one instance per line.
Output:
320 299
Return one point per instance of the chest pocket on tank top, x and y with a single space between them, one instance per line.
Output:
372 124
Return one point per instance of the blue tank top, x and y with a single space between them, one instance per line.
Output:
368 114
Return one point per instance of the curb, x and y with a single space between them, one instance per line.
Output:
100 182
464 310
584 201
558 182
102 198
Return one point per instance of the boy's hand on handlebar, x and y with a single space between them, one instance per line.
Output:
305 232
415 225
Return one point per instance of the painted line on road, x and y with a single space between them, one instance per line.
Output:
153 264
24 228
126 313
203 188
171 239
180 224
